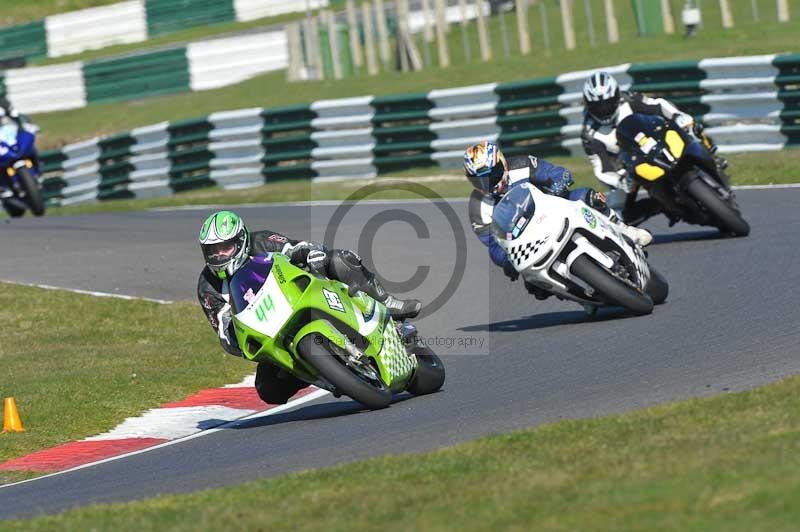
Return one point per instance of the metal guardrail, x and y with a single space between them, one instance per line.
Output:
749 103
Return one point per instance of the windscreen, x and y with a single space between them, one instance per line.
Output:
513 213
247 281
8 134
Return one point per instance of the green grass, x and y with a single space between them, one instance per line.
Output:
79 365
272 90
746 169
21 11
727 463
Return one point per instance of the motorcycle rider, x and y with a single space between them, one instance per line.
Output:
227 245
13 205
492 176
605 106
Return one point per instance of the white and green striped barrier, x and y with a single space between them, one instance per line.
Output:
198 66
749 103
133 21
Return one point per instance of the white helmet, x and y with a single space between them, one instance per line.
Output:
601 96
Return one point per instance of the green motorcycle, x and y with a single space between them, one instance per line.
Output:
327 334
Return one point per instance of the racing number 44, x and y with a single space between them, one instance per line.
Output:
264 308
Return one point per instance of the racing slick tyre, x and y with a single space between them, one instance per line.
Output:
362 383
33 194
611 289
657 287
725 216
429 376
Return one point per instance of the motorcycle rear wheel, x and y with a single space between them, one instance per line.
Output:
329 360
611 289
726 217
33 194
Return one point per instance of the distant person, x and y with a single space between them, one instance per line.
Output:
605 106
227 245
492 176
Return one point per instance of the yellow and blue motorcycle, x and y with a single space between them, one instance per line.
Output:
679 172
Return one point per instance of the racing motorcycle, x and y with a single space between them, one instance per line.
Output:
679 172
19 172
328 334
575 252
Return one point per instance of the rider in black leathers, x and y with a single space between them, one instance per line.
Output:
274 385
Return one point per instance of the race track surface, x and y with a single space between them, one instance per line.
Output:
730 323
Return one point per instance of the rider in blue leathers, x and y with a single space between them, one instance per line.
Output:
492 176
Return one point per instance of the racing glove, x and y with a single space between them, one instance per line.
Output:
560 185
309 254
597 201
684 121
510 271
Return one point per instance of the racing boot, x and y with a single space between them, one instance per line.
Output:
639 236
347 267
401 309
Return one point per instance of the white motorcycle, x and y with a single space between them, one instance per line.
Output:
575 252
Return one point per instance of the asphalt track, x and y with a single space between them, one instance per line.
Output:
730 323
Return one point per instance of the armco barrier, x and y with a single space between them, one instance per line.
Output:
749 103
199 66
132 21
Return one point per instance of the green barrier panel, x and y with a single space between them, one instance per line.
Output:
24 40
166 16
667 78
115 167
51 166
281 157
137 76
2 84
292 143
287 172
294 118
191 131
648 16
402 162
189 154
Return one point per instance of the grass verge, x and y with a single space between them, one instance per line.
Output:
726 463
746 169
272 90
78 365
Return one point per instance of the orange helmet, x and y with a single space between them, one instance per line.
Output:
485 166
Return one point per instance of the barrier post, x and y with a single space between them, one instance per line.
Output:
383 33
522 27
369 39
483 33
612 26
783 10
441 34
666 16
462 5
427 31
355 39
294 73
727 16
566 22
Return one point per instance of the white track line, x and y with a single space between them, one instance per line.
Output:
90 292
278 409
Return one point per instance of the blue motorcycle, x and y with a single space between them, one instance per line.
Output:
19 170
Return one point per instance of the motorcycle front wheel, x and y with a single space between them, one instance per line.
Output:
33 194
355 379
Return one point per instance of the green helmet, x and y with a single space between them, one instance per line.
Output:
225 242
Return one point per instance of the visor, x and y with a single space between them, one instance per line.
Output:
487 179
221 253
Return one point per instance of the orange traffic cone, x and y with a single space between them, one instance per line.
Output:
11 421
